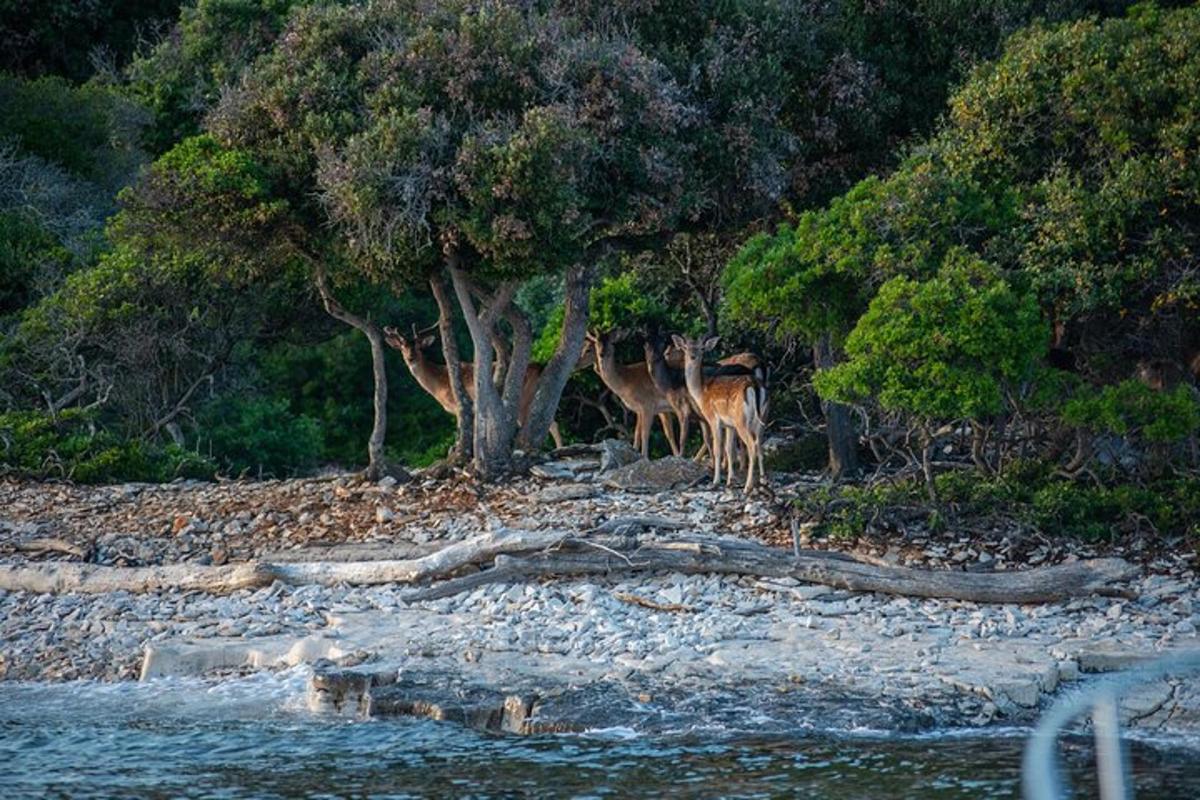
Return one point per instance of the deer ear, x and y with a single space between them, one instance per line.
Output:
678 341
711 342
426 340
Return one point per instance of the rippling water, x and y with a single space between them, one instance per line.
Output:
252 738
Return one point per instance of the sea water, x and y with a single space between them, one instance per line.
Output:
254 737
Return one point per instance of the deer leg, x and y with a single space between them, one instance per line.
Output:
637 432
747 438
716 452
705 448
730 448
685 421
664 419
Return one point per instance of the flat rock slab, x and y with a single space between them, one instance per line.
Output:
570 491
672 472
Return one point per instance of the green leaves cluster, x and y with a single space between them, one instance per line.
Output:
1063 186
943 348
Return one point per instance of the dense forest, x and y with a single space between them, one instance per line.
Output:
237 237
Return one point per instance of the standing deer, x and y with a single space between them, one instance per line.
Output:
434 378
670 384
733 402
745 363
632 385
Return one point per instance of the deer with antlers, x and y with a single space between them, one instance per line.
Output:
732 405
632 385
434 378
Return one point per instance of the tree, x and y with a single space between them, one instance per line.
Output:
955 346
1065 165
182 76
487 144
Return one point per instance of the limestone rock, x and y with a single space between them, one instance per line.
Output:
615 453
672 472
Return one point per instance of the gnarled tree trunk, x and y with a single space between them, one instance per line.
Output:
495 420
464 441
564 361
376 462
839 426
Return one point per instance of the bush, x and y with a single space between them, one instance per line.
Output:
1026 493
1131 408
259 435
70 445
943 348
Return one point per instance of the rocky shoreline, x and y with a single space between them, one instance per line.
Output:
643 651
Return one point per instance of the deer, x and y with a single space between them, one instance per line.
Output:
632 385
670 384
434 378
744 363
733 402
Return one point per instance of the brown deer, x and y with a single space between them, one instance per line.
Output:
434 378
744 363
731 404
632 385
670 384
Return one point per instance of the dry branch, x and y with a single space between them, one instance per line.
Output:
729 556
519 555
62 577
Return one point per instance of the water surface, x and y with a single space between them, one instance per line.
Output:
253 738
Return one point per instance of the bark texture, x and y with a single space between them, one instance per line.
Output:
522 554
839 425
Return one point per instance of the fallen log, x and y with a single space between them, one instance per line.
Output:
451 558
61 577
725 556
521 555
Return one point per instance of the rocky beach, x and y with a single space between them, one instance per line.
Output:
571 653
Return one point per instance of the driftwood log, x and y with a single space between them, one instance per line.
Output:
518 555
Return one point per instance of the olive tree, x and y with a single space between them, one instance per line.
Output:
471 147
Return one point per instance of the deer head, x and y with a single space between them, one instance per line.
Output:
410 347
694 349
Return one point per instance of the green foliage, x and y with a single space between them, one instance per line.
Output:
1132 408
183 75
260 436
1027 493
329 381
27 252
70 445
88 130
62 37
942 348
619 302
623 302
205 202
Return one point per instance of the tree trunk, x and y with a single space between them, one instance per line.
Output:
376 462
564 361
495 423
839 426
464 441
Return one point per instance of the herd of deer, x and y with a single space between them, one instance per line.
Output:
729 398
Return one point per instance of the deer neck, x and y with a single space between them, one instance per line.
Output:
618 378
433 378
693 375
660 374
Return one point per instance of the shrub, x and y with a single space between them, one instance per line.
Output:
259 435
72 446
943 348
1131 408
